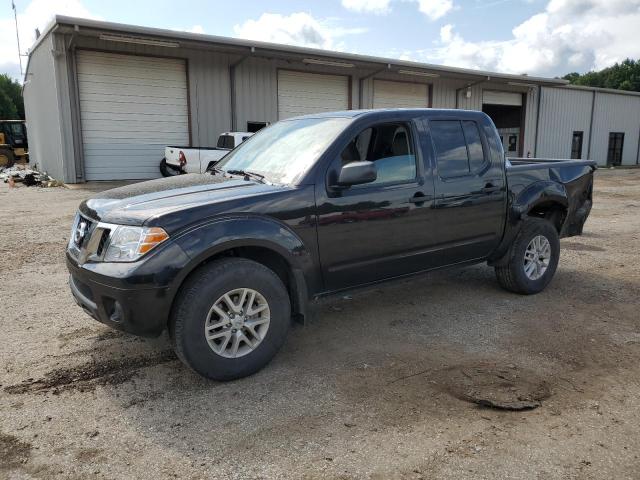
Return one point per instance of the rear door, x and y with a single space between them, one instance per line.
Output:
470 189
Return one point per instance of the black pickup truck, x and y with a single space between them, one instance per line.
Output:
313 206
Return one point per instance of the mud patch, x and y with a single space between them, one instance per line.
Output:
13 452
493 386
582 247
87 376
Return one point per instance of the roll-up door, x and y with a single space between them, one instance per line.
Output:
131 107
302 93
494 97
389 94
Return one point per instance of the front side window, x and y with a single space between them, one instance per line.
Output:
389 147
225 141
285 150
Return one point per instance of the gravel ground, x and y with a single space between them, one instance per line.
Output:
378 387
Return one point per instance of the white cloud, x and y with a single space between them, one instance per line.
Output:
568 35
367 6
37 14
194 29
296 29
435 9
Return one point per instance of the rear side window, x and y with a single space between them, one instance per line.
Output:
451 149
474 145
225 141
458 147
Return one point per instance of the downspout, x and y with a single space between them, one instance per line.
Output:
469 85
366 77
75 107
535 144
232 87
593 106
638 152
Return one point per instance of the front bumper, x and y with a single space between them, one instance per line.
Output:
125 296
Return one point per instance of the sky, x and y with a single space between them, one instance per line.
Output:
537 37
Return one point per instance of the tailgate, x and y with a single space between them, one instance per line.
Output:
171 155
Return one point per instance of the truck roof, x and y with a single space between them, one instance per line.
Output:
392 111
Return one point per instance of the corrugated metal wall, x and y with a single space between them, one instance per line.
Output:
43 112
563 112
616 113
209 87
52 109
256 86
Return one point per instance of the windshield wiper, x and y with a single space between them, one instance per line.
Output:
247 174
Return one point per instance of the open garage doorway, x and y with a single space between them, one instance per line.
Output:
506 109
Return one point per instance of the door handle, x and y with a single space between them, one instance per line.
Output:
419 198
490 188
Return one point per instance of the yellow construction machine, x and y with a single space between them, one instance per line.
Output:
13 142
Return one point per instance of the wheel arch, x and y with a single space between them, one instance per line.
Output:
547 200
264 241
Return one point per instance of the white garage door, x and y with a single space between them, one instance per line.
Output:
301 93
130 108
502 98
388 94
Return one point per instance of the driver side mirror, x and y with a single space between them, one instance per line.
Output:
357 173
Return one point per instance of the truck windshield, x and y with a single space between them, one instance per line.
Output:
285 150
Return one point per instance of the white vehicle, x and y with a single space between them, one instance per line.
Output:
179 160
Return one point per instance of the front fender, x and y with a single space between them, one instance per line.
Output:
211 238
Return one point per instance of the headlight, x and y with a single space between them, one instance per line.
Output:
128 244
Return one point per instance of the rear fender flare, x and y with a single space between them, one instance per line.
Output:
538 193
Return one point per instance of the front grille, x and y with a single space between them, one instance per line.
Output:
103 241
82 231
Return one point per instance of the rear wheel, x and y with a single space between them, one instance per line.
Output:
532 259
230 319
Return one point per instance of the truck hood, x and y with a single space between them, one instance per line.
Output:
135 204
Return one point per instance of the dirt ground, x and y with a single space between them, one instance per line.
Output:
378 387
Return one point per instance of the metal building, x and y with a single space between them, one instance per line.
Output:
103 99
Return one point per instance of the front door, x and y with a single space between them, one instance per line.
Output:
381 229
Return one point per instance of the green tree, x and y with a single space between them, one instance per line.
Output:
11 102
621 76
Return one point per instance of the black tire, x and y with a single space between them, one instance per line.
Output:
166 171
7 158
511 275
195 300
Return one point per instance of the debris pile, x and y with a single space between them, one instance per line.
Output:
27 176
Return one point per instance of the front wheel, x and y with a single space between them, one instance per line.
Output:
7 158
231 318
532 259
